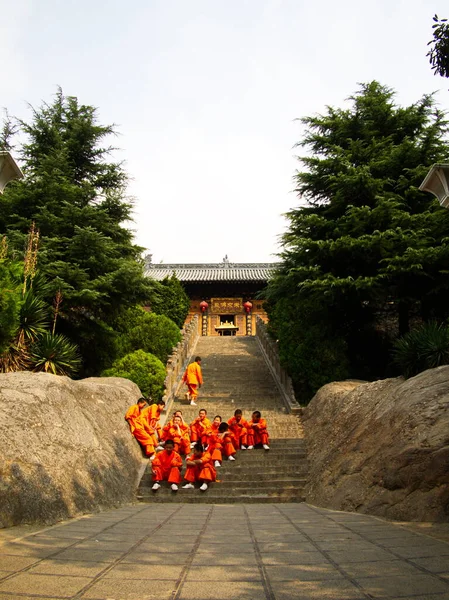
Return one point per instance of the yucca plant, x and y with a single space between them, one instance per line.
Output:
54 353
33 317
425 347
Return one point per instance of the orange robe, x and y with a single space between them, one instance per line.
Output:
257 432
152 414
139 429
221 443
180 437
239 430
193 377
203 472
167 467
200 430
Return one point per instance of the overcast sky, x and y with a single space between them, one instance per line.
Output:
205 93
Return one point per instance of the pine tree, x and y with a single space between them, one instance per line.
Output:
366 253
76 196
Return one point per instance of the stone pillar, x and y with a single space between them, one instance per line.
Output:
204 323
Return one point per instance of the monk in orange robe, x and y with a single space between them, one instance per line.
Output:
167 467
152 415
200 428
179 433
221 444
165 429
239 429
199 468
257 432
193 377
138 427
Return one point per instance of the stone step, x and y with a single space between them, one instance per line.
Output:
198 497
236 376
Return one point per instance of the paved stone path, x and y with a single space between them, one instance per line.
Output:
205 552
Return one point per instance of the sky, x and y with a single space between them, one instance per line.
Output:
206 96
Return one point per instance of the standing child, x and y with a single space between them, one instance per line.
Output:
193 377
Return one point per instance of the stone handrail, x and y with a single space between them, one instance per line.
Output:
178 360
271 355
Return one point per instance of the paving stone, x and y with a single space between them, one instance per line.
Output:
434 564
405 586
314 572
71 567
64 587
221 573
142 571
14 563
318 590
294 558
222 590
154 558
89 555
374 569
130 589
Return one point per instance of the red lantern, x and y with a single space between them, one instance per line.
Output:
247 306
204 306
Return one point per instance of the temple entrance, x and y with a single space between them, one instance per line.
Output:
227 325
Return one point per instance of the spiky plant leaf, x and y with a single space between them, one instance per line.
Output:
423 348
33 316
54 353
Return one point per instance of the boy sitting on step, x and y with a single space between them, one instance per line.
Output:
167 467
257 432
239 429
221 444
199 468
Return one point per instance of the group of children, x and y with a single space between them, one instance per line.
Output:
205 444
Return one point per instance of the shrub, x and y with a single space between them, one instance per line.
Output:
155 334
426 347
145 369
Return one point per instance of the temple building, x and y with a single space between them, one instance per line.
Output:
223 294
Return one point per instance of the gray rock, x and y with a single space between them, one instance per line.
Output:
65 448
381 448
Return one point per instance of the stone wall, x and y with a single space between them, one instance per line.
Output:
381 448
65 448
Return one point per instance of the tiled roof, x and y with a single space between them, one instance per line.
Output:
213 272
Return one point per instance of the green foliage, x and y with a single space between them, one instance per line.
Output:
34 318
10 302
425 347
54 353
170 299
77 198
145 369
142 330
366 249
439 51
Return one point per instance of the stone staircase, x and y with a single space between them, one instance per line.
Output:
236 376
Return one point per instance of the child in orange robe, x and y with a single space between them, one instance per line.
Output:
221 443
152 414
239 428
199 468
179 433
200 428
257 431
167 467
139 428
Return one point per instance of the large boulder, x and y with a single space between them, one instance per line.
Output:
65 448
381 448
